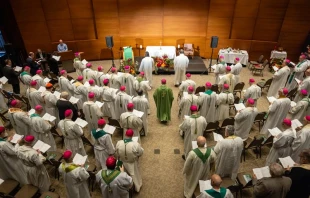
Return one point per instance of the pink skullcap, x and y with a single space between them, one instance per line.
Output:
110 162
221 56
208 84
129 133
91 82
29 138
113 69
63 72
251 80
307 118
80 78
38 108
303 56
287 61
285 91
77 53
26 68
127 67
122 88
194 108
101 122
228 68
39 71
33 83
88 65
226 86
130 106
91 95
304 92
237 59
287 121
68 112
2 129
106 81
67 154
99 68
163 81
188 75
141 73
190 88
14 103
251 101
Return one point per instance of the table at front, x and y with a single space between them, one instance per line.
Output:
161 50
278 54
229 57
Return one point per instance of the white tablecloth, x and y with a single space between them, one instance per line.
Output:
229 57
160 51
277 54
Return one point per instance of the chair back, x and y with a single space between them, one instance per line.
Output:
269 141
188 46
200 89
239 86
212 126
228 121
260 59
114 122
215 88
268 83
69 77
255 143
260 116
291 94
53 75
265 63
237 100
86 141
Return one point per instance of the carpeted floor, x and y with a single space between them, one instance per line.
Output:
162 172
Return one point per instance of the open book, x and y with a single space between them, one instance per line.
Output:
31 111
3 79
109 129
194 144
287 162
80 122
49 117
239 106
57 94
73 100
297 80
46 80
79 159
16 137
262 172
217 137
43 147
42 89
135 139
275 68
213 67
137 113
57 58
271 99
204 185
18 68
275 131
84 62
185 94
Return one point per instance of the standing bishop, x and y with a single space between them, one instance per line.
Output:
223 100
207 102
50 101
220 69
180 66
128 120
19 119
114 83
92 112
146 66
25 76
80 91
127 80
229 79
236 69
302 141
186 102
142 104
302 107
33 95
253 91
185 84
65 84
142 85
298 73
77 64
121 101
108 96
304 84
39 78
88 73
100 76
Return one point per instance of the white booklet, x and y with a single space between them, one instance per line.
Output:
194 144
1 181
42 89
79 159
135 139
43 147
137 113
275 68
293 104
201 93
217 137
49 117
57 94
16 137
46 80
186 116
275 131
296 123
84 62
80 122
72 81
204 185
109 129
36 77
3 79
99 104
18 68
239 106
287 162
297 80
185 94
57 58
86 84
73 100
31 111
271 99
213 67
262 172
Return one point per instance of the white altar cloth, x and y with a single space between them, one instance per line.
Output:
161 50
278 54
229 57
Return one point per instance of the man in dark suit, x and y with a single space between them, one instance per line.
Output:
12 76
40 54
32 64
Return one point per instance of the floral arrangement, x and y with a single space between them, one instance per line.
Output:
163 62
130 63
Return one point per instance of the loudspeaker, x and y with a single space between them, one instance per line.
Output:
214 41
109 41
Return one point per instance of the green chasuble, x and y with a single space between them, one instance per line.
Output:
216 194
209 92
128 53
163 98
98 134
2 140
69 168
24 73
202 156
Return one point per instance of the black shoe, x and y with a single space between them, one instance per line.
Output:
183 157
164 121
52 189
176 85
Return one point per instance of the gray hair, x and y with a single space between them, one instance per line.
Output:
64 95
181 51
230 129
276 170
147 54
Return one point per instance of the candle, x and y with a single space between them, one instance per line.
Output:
178 46
140 46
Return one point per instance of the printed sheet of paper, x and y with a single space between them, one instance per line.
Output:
36 77
186 116
1 181
57 94
43 147
73 100
109 129
84 62
79 159
100 104
16 137
185 94
57 58
262 172
296 123
3 79
135 139
139 114
239 106
86 84
213 67
81 123
275 68
204 185
287 162
46 80
31 111
42 89
275 131
49 117
18 68
293 104
217 137
271 99
297 80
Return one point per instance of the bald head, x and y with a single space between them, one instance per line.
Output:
201 141
64 95
216 181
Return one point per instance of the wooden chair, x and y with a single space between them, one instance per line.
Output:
259 68
54 159
200 89
188 50
27 102
231 185
27 191
252 144
6 122
92 176
242 182
211 127
260 60
260 119
58 134
215 88
87 142
9 187
238 88
291 94
268 142
236 101
226 122
49 195
115 123
265 84
69 77
7 95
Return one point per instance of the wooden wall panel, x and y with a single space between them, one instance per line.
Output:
60 29
132 9
221 8
185 8
246 8
267 29
53 11
80 9
105 9
27 11
83 29
243 28
219 27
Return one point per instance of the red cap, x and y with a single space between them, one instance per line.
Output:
130 106
2 129
287 61
38 108
113 69
99 68
226 86
190 89
110 162
101 122
91 95
142 73
251 80
88 65
221 56
91 82
188 75
122 88
80 78
33 83
39 71
26 68
303 56
285 91
251 101
68 112
14 103
307 118
228 68
29 138
63 72
106 81
237 59
304 92
194 108
129 133
67 154
127 67
208 84
287 121
163 81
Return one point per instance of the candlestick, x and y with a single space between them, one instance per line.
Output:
178 46
140 46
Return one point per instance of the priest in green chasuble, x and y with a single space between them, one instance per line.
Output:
163 98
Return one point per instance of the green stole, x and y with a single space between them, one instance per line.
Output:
127 140
293 74
217 194
69 168
34 115
209 92
24 73
98 134
2 140
195 117
109 178
202 156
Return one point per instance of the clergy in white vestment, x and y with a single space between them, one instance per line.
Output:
33 95
114 83
80 92
254 91
129 152
228 153
236 69
72 133
75 177
19 118
128 120
50 101
64 84
223 100
11 165
108 96
279 79
229 79
114 183
192 127
146 66
127 80
41 129
207 102
281 146
302 140
187 101
121 101
185 84
142 104
141 84
88 73
304 84
244 119
100 76
78 65
302 107
197 166
103 147
33 163
298 72
92 112
39 78
220 69
277 111
216 190
95 89
25 76
180 66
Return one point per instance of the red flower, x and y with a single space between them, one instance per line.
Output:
158 64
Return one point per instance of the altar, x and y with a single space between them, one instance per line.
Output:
230 55
161 50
